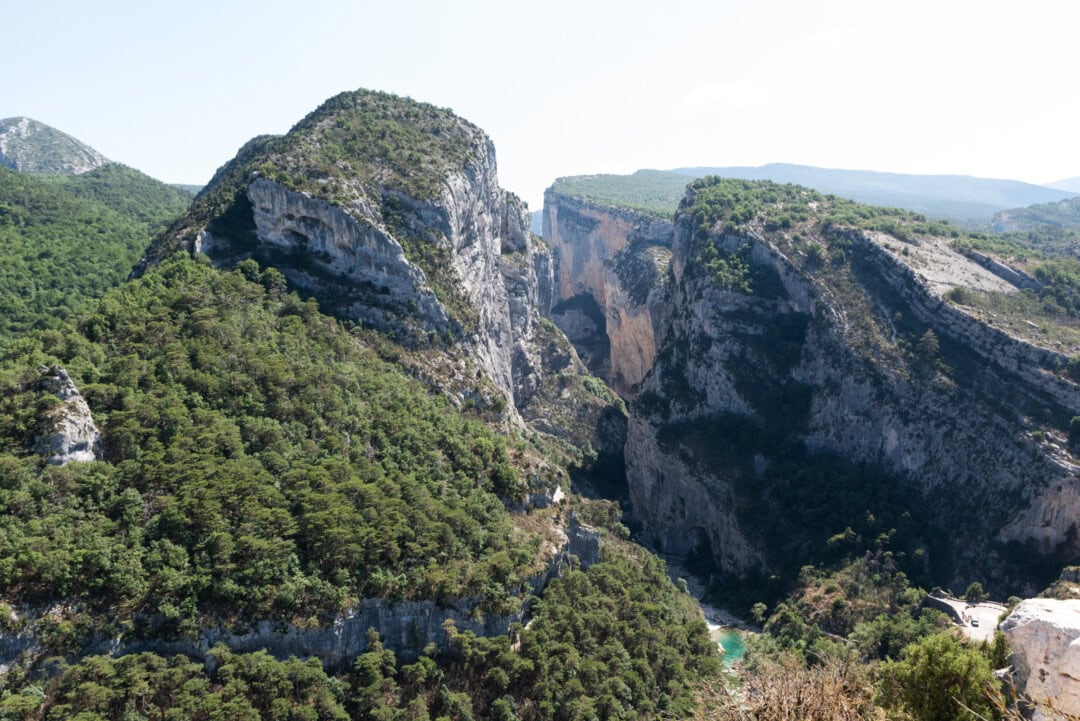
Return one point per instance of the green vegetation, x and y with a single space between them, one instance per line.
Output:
133 194
65 240
715 200
260 463
147 686
652 192
860 630
1064 215
615 642
940 679
378 139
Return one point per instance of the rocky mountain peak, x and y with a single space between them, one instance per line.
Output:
30 146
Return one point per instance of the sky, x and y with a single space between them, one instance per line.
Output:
566 88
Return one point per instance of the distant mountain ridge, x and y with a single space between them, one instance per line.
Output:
1070 184
963 199
1060 215
30 146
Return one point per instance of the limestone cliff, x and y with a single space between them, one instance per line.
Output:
797 391
414 238
612 269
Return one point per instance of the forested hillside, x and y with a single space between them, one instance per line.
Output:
65 240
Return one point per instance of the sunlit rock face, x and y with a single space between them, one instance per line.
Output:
819 357
612 270
1044 635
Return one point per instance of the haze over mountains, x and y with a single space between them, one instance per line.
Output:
968 201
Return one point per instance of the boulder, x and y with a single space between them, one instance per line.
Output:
1045 638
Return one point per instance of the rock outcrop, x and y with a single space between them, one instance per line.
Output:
71 434
1044 635
28 146
611 275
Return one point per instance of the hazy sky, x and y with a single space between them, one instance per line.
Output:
174 88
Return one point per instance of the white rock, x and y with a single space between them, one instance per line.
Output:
73 435
1045 638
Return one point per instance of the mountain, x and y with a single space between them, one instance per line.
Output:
29 146
794 362
1062 215
66 239
1071 185
352 442
326 419
963 199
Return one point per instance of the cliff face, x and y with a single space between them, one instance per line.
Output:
433 253
612 268
809 397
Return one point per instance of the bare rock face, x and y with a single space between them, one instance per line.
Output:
1044 635
358 269
612 269
72 435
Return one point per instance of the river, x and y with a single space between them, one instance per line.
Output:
725 628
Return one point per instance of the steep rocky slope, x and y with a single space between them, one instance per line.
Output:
611 273
822 378
349 441
390 214
29 146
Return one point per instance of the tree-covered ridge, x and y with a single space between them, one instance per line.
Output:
129 192
259 463
1046 315
1062 215
653 192
65 240
781 206
617 641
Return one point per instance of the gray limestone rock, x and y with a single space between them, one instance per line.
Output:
72 435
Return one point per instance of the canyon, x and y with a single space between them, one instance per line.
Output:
816 362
